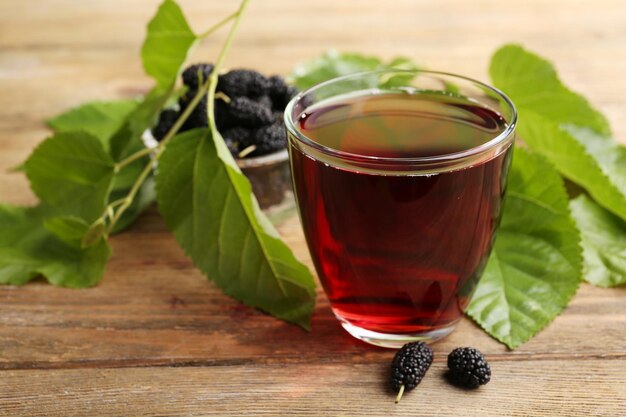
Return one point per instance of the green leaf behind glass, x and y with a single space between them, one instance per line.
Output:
99 118
533 84
72 172
167 44
335 64
562 126
603 241
535 266
209 206
28 249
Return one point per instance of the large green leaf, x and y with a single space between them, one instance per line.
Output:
119 126
610 156
72 172
209 206
28 249
72 230
167 44
533 84
535 265
603 241
562 126
99 118
335 64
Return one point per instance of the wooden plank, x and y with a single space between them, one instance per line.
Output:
154 307
532 388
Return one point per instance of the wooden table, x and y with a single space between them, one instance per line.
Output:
156 338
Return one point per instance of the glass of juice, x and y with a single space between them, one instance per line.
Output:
399 178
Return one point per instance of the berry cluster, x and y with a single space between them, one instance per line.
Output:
248 112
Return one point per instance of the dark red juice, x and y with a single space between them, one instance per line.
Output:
399 252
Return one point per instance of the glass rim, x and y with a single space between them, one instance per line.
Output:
449 157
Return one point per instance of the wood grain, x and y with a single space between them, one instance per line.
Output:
563 388
156 338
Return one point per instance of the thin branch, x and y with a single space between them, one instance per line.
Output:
218 64
131 195
218 25
132 158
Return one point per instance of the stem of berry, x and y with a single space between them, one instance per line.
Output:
128 200
399 396
209 86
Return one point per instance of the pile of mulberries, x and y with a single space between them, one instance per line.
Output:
248 112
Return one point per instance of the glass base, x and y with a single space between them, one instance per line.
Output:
395 341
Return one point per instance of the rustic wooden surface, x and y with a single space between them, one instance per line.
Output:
155 338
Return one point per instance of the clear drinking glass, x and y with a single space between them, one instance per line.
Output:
399 178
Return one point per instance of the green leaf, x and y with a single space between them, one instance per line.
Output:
335 64
28 249
535 266
603 241
69 229
72 172
610 156
99 118
562 126
533 84
167 44
94 234
209 206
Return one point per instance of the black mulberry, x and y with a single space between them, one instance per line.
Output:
264 101
243 111
236 138
409 366
243 83
191 73
268 139
468 368
280 92
167 118
199 116
279 116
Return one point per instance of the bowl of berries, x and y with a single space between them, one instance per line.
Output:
249 110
